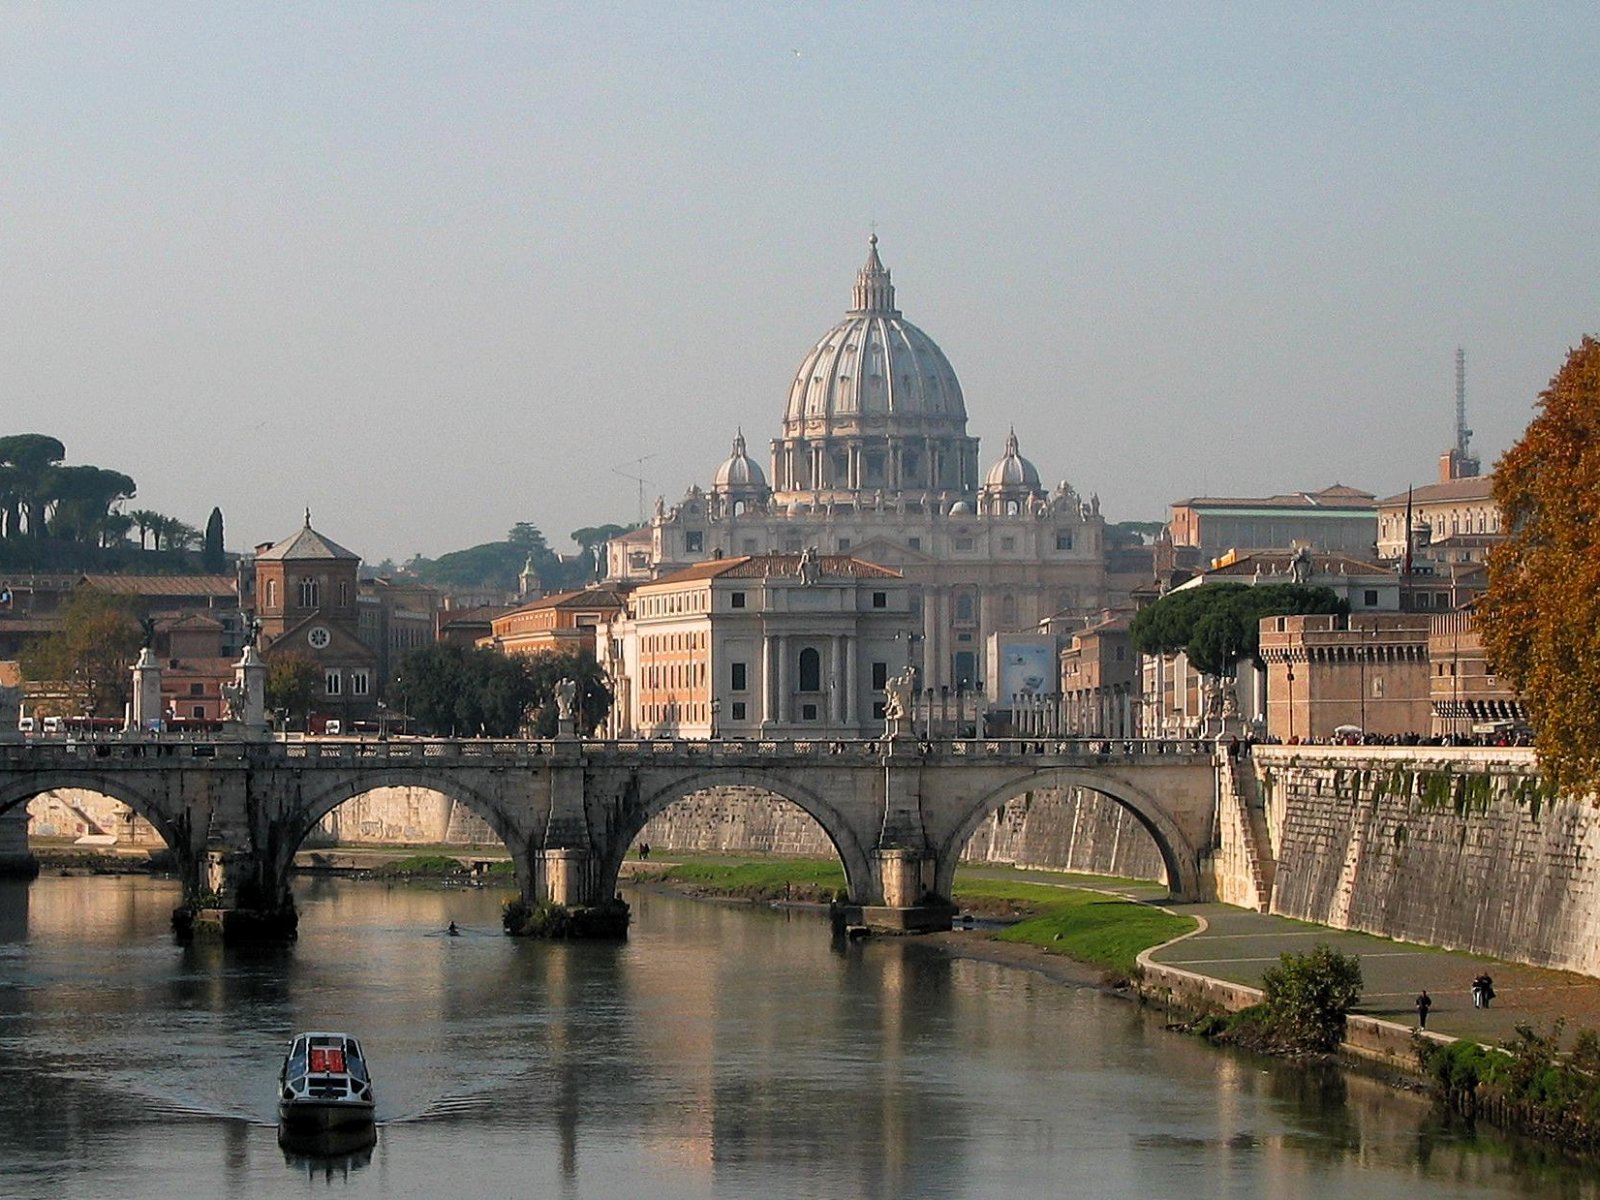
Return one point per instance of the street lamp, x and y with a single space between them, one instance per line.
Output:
716 710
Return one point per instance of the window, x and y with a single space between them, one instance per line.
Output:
808 712
810 670
694 541
738 678
966 668
880 676
749 545
880 599
738 710
1370 598
844 545
272 593
963 543
197 689
330 682
359 683
915 543
736 600
310 593
877 709
964 607
198 711
1008 543
344 592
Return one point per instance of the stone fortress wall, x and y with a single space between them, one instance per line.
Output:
1460 848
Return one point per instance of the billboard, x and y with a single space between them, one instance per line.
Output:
1027 667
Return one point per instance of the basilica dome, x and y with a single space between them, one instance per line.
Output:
1012 472
874 405
739 472
875 367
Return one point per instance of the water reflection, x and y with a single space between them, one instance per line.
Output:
721 1051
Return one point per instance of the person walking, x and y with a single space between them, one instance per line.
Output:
1424 1003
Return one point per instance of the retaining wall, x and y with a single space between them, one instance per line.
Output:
1460 848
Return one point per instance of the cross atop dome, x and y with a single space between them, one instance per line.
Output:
873 293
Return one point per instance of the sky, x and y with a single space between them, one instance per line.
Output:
431 270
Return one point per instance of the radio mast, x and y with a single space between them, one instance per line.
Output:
1466 463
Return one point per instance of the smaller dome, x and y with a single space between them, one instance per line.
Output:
961 509
1012 471
739 473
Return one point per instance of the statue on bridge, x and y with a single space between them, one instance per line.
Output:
566 694
234 696
897 703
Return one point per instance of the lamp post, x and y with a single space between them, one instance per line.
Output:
716 710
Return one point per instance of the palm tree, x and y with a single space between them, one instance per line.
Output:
146 519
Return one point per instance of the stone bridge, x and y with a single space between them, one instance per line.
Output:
898 811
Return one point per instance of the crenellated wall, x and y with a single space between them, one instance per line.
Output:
1462 848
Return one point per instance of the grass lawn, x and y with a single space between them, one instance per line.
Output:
1062 918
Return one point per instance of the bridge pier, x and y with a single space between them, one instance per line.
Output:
16 860
236 900
905 883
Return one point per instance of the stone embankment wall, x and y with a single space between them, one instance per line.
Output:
1461 848
1057 829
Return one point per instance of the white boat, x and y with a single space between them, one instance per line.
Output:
324 1085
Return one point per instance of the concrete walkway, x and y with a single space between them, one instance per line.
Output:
1238 945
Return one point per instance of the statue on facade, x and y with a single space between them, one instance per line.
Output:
810 566
1300 564
566 694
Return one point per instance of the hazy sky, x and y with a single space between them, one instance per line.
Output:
435 269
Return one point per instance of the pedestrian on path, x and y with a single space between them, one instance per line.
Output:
1482 991
1424 1003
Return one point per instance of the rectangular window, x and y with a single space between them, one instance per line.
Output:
197 689
749 545
693 541
1008 543
844 545
877 710
199 711
738 710
963 543
739 679
880 599
1370 598
1063 540
808 712
915 543
358 683
736 600
880 676
330 682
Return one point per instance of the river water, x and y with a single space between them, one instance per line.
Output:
721 1052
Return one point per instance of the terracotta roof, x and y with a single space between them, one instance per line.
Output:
1473 487
1280 562
764 566
162 585
192 620
595 597
10 674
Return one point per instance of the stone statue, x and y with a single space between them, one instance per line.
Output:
898 692
252 631
810 566
233 695
1300 564
147 631
661 506
566 693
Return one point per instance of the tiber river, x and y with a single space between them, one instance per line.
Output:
722 1051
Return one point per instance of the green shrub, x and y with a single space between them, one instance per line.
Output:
1308 997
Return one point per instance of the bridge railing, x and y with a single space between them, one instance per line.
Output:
506 751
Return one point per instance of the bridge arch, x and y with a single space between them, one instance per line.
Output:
1180 857
169 827
657 795
316 804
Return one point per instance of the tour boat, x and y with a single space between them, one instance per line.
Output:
324 1084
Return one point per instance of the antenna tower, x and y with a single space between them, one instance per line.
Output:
636 464
1466 463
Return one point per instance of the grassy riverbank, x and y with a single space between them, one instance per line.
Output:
1068 917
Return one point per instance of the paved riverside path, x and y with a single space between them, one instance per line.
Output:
1238 945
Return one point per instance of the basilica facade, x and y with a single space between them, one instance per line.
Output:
874 461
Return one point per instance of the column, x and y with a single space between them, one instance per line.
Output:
785 698
852 714
769 684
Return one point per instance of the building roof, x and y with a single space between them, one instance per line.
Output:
1281 562
192 620
765 566
594 597
1472 487
1336 498
306 544
10 673
221 586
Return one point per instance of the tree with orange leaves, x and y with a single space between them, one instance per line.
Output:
1541 613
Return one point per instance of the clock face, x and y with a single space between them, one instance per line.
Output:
318 637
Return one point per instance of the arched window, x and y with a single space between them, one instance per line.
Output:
810 670
310 593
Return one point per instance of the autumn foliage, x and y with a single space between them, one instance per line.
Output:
1540 616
